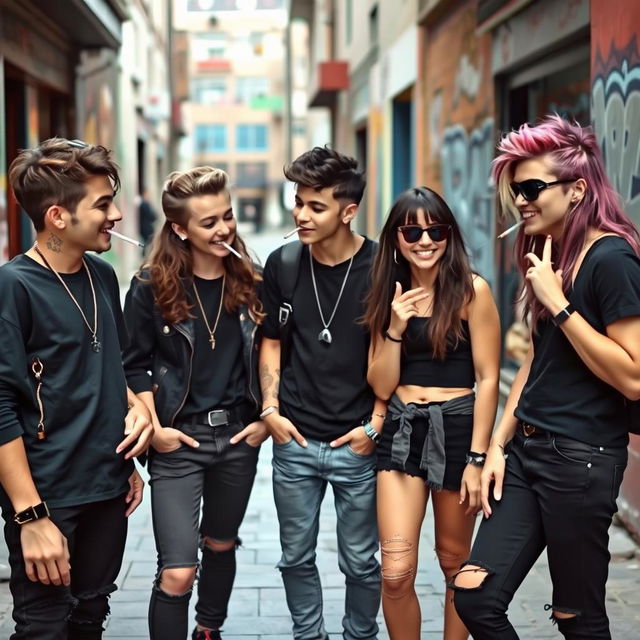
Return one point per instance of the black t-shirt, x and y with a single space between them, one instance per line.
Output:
83 392
323 387
561 393
217 377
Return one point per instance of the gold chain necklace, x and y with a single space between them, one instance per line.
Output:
212 337
95 343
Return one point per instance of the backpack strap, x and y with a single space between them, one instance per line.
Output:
288 271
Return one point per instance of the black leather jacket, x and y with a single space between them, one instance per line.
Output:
165 351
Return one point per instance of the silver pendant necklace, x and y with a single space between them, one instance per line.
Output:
96 345
325 334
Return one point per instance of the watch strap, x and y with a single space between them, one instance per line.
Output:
563 315
371 432
32 513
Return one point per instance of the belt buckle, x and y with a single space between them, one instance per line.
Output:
528 430
218 418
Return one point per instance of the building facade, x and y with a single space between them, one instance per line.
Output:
428 86
97 71
235 112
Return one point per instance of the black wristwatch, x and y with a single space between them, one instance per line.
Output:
32 513
563 315
475 459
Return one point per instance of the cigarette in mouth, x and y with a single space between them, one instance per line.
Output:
125 238
513 227
288 235
228 247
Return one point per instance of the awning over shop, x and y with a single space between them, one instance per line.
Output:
88 23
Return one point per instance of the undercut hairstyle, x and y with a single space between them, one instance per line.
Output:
573 152
454 283
55 173
170 262
322 167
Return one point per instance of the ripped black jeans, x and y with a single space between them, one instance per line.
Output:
196 493
96 534
560 494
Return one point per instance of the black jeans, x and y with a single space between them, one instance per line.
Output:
96 534
219 476
560 494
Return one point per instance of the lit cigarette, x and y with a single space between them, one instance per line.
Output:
125 238
288 235
510 229
228 247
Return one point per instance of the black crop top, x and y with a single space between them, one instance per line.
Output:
419 367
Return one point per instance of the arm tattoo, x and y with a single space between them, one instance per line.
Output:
276 386
268 383
266 379
54 244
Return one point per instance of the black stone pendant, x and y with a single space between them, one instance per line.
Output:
96 345
325 336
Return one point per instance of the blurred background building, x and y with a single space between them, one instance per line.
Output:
234 112
418 91
96 70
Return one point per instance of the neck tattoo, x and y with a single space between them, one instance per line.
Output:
212 331
95 343
325 334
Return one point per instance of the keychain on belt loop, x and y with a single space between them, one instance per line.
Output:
37 367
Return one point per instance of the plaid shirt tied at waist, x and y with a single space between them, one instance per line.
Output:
433 457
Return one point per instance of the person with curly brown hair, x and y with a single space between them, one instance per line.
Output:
193 314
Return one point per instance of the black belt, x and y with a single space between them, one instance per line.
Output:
529 430
218 417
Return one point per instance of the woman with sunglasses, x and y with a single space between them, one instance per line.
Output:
565 424
193 314
435 335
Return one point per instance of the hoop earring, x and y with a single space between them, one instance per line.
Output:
395 257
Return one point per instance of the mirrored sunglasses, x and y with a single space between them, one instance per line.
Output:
413 232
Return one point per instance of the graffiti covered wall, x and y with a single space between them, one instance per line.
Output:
460 127
615 100
615 93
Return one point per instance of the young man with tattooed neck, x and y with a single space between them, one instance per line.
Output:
69 427
317 404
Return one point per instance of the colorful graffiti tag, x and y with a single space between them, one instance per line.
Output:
616 116
465 161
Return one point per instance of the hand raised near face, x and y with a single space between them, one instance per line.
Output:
403 307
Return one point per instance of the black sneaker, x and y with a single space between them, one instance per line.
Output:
206 634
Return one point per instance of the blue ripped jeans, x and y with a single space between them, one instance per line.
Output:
300 478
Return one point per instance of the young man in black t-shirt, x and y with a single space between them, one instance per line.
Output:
316 401
69 427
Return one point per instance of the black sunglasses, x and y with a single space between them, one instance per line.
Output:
530 189
413 232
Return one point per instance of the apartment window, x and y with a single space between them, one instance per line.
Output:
248 88
210 138
209 45
208 90
251 137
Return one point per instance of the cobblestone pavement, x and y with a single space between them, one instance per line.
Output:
258 610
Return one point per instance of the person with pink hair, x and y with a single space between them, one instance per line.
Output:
557 457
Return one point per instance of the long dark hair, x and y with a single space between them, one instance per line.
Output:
454 282
171 261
